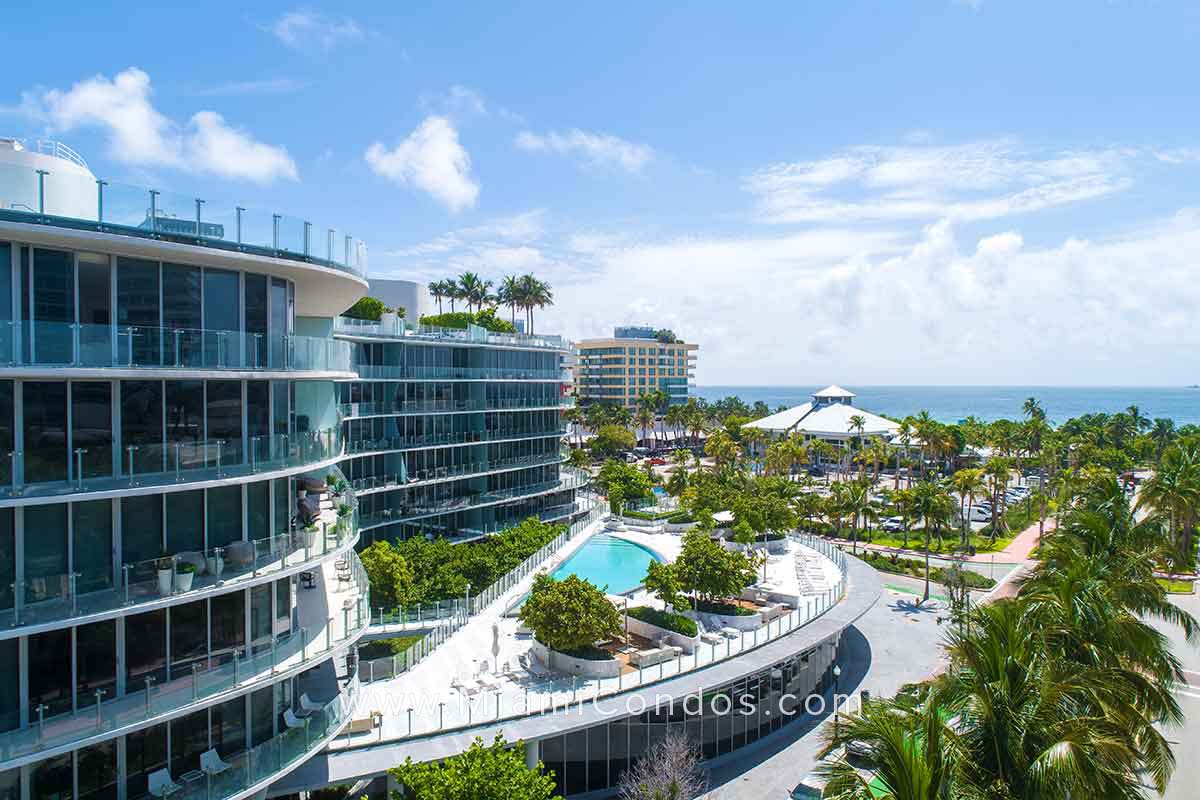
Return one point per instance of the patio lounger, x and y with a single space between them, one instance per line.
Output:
161 784
308 705
291 720
211 763
731 633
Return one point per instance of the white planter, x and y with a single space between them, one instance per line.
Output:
388 321
655 634
713 622
214 565
183 581
165 580
583 667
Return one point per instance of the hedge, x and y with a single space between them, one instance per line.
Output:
665 619
728 609
907 566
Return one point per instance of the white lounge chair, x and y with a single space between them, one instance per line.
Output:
308 705
489 682
291 720
161 784
211 763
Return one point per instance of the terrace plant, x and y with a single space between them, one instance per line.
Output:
494 772
710 572
662 582
569 615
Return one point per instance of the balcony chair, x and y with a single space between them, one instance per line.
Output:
211 763
161 784
291 720
308 705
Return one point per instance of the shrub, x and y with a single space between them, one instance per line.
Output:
728 609
369 308
382 648
185 567
494 772
709 570
570 614
664 619
461 319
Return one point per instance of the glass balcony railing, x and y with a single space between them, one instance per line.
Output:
457 373
315 641
262 764
70 198
452 406
63 596
424 476
401 328
571 479
397 443
165 463
67 344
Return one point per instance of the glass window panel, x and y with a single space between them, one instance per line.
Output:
142 426
279 320
575 762
10 703
5 298
262 715
229 726
260 617
182 316
256 319
258 420
189 636
45 412
95 309
50 671
221 307
185 521
10 784
7 428
8 557
98 771
138 322
95 662
597 753
145 752
91 427
45 552
552 761
141 528
185 425
93 545
228 622
53 306
145 648
225 419
258 509
283 511
283 598
53 779
224 515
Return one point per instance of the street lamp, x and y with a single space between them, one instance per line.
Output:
837 673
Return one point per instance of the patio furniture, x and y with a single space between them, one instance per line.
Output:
211 763
308 580
365 724
308 705
291 720
239 555
731 633
161 784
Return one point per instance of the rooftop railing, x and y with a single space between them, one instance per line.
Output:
69 198
67 344
399 443
400 328
451 406
419 477
458 373
165 463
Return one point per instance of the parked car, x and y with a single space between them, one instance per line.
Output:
658 462
892 524
816 472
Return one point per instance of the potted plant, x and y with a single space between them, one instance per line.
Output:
310 535
164 569
344 512
185 571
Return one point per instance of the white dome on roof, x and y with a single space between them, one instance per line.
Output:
833 390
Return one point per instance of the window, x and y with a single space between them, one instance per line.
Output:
185 425
141 528
95 309
182 319
221 312
185 521
45 410
137 312
95 662
91 428
50 671
142 426
145 649
189 636
228 622
224 404
224 515
93 541
51 336
45 552
8 564
256 320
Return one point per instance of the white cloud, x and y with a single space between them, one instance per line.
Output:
303 29
974 181
598 149
431 159
240 88
139 134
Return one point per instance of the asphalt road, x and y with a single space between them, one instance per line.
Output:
1185 785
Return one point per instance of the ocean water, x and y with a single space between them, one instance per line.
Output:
953 403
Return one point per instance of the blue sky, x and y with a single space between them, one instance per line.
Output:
924 192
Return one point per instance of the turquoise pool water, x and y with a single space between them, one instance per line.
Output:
615 565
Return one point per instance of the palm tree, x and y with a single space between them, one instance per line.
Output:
534 294
997 472
1172 494
471 289
1163 433
969 484
644 416
1139 420
859 505
509 294
906 433
1033 409
934 507
858 423
439 290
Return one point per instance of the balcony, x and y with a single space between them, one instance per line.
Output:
166 464
74 198
66 344
400 443
458 373
572 479
253 770
330 621
386 409
425 477
473 334
51 599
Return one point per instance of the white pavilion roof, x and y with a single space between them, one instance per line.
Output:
829 420
833 390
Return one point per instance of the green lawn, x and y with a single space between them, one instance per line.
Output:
946 545
382 648
1177 586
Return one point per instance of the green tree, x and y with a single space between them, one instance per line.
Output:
494 772
610 440
368 308
579 458
709 571
391 578
662 582
570 614
630 481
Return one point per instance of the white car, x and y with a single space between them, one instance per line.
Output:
892 524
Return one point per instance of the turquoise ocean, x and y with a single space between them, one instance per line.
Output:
953 403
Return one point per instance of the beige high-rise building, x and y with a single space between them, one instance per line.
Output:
634 361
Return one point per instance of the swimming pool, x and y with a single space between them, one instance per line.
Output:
615 565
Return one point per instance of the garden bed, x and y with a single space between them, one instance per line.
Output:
916 569
385 648
666 620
